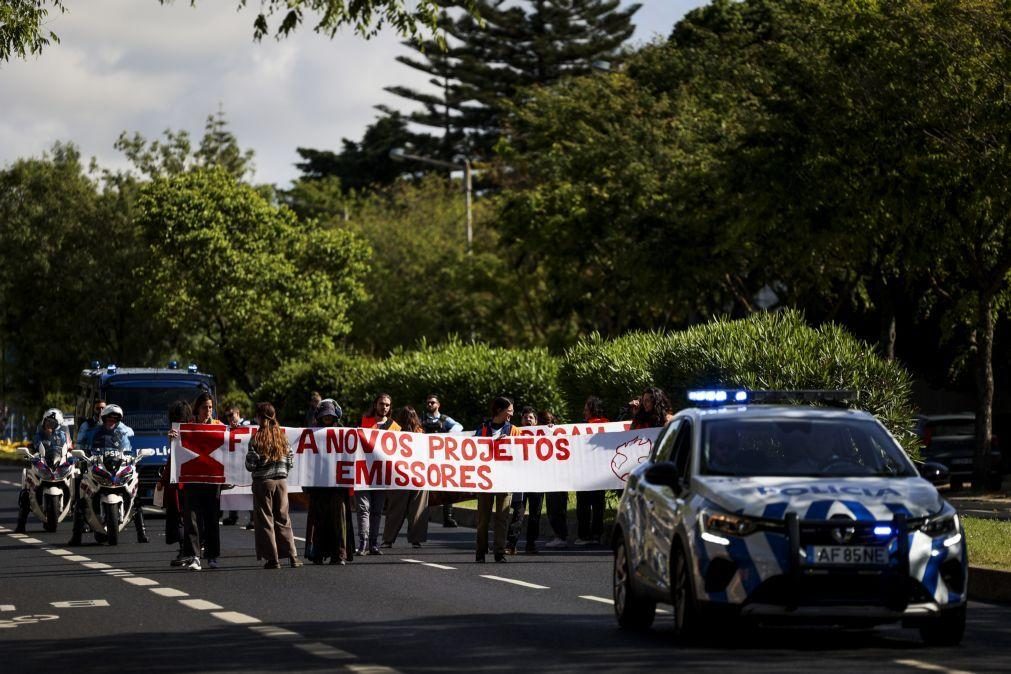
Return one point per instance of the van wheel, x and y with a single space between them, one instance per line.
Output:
687 620
946 629
633 612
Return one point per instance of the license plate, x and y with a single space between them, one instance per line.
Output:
860 555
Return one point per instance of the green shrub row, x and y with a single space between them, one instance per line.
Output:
465 377
765 351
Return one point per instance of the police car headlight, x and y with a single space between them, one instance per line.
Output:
726 524
945 525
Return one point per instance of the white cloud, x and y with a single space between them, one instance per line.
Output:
136 65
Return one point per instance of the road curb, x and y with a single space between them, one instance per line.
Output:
990 585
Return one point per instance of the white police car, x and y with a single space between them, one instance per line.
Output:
786 512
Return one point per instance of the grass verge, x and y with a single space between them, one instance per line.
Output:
989 542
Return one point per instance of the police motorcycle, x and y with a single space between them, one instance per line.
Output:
108 491
48 480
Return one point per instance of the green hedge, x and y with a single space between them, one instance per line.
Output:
465 376
764 351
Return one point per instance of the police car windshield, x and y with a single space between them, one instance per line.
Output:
146 409
767 447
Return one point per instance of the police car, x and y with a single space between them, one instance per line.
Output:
787 512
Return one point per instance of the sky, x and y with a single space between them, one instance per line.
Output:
138 66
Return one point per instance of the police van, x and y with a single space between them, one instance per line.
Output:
145 395
787 512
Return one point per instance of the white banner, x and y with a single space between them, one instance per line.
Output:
575 457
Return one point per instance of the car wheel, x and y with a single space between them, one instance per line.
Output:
632 610
686 614
946 629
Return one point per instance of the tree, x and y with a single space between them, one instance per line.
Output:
22 22
246 280
501 49
363 164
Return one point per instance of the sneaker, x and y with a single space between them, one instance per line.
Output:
510 550
415 545
582 542
386 546
374 550
479 558
296 563
361 552
229 521
180 560
193 564
499 557
450 523
556 543
272 565
213 563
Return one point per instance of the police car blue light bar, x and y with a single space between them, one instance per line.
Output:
718 396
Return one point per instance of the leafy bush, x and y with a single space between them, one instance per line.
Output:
764 351
465 376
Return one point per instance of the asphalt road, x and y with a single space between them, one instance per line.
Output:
124 608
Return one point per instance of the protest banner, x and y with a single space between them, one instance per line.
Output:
574 457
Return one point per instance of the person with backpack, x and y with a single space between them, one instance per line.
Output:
497 426
434 421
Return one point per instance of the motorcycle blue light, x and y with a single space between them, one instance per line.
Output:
882 531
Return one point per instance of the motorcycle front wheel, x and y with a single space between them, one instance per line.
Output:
111 512
53 509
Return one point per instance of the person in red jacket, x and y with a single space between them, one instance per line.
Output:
590 504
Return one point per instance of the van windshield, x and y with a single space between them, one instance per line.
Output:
146 408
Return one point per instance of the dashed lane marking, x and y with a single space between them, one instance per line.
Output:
79 603
168 592
431 564
276 632
369 669
142 582
18 535
7 607
77 558
201 605
521 583
117 572
58 551
321 650
610 602
234 617
96 565
33 541
929 667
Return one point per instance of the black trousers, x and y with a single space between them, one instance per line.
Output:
532 504
201 504
590 514
558 505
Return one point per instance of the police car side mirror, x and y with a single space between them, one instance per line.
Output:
934 473
666 474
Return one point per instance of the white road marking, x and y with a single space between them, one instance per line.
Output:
142 582
431 564
18 535
30 540
201 605
7 607
370 669
234 617
522 583
96 565
278 632
117 572
168 592
59 551
321 650
77 558
79 603
929 667
602 600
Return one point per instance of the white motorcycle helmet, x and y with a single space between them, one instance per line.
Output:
55 414
112 409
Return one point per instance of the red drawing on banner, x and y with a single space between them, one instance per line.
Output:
629 455
202 440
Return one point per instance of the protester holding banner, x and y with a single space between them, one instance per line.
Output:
269 458
179 413
651 410
557 502
370 502
498 425
529 502
434 421
202 502
590 504
326 534
404 503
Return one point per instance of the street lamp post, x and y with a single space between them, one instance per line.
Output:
398 154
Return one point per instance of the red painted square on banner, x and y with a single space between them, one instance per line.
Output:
202 440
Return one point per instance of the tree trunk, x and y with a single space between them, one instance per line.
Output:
888 333
984 391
